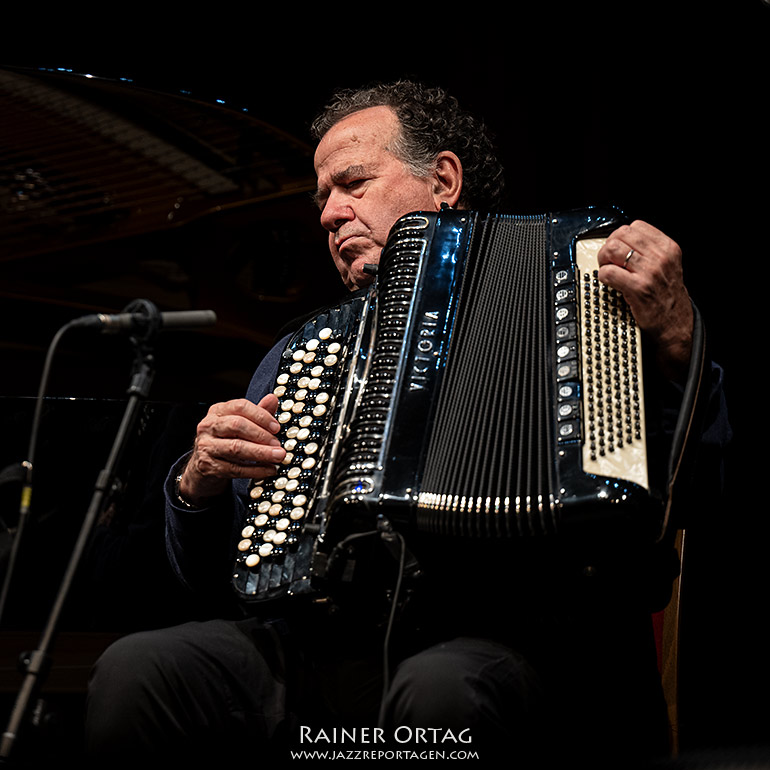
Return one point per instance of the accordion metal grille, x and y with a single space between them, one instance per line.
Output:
488 465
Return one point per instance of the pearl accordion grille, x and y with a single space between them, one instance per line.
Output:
488 386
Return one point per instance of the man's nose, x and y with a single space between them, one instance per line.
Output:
335 213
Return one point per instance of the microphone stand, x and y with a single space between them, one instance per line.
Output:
37 662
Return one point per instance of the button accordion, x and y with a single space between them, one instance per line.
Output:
486 386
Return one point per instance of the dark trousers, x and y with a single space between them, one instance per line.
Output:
224 690
229 689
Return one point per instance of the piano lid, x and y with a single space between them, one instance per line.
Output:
111 191
84 158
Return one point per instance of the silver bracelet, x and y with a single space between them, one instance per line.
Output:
180 499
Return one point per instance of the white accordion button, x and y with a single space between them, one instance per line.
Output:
275 509
334 347
300 395
322 398
296 368
305 420
252 560
292 431
296 514
281 481
292 484
314 384
284 417
319 410
298 355
279 538
265 549
292 473
311 448
280 391
261 520
255 493
330 360
303 433
287 405
282 379
311 344
308 463
300 499
278 496
324 334
264 506
308 358
269 535
247 531
316 371
282 524
303 382
244 545
288 445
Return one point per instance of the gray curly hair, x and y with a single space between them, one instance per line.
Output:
431 122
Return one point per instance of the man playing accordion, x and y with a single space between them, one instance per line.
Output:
559 667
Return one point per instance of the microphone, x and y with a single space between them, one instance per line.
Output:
128 323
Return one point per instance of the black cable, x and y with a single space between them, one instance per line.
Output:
389 628
29 463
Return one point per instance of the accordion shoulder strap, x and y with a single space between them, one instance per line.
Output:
688 426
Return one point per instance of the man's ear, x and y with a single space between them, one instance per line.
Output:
448 179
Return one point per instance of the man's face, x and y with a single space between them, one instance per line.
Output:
363 188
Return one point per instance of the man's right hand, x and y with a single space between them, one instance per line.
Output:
236 439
